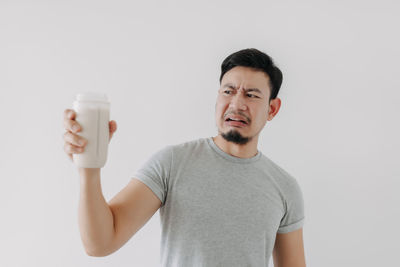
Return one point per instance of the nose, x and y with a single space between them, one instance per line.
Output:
238 101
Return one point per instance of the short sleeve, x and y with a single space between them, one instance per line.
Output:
293 218
155 172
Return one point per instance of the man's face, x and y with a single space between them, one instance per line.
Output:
243 95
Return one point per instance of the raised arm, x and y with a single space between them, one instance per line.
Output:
105 227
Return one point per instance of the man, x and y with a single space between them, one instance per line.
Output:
222 202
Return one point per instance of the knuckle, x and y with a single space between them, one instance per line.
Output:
69 148
74 126
73 149
84 142
67 137
67 123
77 141
67 113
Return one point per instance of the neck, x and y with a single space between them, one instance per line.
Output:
248 150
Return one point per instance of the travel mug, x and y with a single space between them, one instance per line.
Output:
93 114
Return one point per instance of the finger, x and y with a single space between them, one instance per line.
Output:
71 149
69 121
75 139
72 126
113 126
69 114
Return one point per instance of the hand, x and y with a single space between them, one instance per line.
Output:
74 143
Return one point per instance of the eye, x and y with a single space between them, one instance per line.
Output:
227 91
252 96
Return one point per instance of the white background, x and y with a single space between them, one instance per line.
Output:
337 131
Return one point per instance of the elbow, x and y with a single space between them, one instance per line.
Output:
97 248
93 253
97 252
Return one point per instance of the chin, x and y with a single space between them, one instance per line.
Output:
234 136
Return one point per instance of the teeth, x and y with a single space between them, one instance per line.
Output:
229 119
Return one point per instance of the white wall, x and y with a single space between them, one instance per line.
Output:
159 62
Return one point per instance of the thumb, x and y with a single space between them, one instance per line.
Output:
112 125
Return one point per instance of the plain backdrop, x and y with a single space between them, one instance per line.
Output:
337 131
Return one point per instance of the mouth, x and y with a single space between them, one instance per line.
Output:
235 122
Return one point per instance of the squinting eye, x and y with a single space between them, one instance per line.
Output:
227 91
253 96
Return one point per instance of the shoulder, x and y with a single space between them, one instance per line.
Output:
179 151
182 146
190 143
187 147
284 180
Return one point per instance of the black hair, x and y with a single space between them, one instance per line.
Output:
257 60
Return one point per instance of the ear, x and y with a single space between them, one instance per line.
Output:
274 106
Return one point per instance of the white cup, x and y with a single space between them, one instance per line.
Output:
93 115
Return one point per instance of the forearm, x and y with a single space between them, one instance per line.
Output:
96 221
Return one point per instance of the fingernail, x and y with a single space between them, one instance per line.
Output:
75 128
81 142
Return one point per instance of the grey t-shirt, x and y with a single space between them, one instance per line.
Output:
217 209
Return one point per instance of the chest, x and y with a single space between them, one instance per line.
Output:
241 202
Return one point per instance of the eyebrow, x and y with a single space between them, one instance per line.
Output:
247 90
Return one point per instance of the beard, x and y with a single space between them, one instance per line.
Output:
235 137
